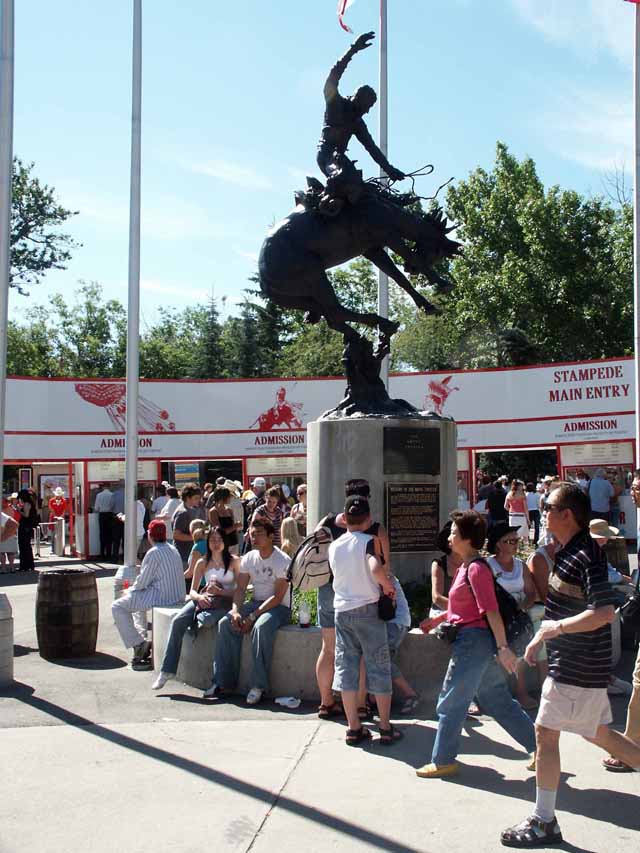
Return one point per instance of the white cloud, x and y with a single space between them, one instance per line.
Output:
230 173
590 127
250 256
162 217
588 26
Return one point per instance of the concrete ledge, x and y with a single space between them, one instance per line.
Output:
422 659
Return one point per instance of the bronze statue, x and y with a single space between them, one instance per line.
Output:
335 223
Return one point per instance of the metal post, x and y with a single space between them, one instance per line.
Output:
383 279
129 570
636 235
6 176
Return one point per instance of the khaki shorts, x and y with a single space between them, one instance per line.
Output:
536 614
581 710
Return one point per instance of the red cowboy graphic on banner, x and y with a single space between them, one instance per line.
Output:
282 414
439 392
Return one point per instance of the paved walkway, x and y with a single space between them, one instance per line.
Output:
91 757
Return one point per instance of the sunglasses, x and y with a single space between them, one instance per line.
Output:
547 507
509 541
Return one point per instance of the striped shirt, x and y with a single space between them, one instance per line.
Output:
161 579
579 581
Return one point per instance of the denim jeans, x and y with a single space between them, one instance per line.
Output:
360 633
226 664
179 625
395 635
473 671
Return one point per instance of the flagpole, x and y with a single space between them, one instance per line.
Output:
383 279
6 177
133 310
636 233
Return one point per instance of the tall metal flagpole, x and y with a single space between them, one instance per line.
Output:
6 174
636 232
383 279
133 310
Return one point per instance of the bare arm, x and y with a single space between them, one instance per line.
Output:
381 576
198 574
281 588
506 657
438 597
331 84
10 529
530 592
588 620
539 571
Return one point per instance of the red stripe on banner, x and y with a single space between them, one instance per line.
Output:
342 8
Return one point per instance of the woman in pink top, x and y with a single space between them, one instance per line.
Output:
516 505
474 618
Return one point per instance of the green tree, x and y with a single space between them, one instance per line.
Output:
208 362
37 244
88 331
32 348
545 274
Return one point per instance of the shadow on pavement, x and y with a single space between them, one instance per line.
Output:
25 693
21 651
613 807
96 662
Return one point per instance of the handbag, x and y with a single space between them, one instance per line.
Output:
630 610
518 627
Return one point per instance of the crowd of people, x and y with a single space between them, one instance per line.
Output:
26 511
565 586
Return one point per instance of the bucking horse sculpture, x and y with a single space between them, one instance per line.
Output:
335 223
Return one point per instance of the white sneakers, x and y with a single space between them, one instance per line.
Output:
254 696
210 692
161 680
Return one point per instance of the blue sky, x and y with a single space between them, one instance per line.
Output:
232 110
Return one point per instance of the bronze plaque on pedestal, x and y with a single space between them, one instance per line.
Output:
411 451
412 514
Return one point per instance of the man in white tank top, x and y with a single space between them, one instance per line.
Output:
358 577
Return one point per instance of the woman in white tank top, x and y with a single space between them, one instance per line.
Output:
511 574
212 587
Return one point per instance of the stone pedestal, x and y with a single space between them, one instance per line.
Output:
6 641
410 464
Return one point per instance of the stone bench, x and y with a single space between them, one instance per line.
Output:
422 659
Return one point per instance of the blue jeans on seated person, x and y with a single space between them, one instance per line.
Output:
179 626
395 635
226 664
361 633
474 671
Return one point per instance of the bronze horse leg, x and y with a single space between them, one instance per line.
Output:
384 263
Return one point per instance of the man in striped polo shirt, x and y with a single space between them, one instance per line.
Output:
577 631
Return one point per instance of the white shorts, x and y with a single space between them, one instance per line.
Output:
519 520
580 710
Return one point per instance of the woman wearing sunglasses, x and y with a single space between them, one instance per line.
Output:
512 574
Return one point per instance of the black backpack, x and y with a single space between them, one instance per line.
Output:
518 626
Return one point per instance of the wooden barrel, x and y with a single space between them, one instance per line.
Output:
67 613
616 551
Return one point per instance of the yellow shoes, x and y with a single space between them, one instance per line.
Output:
532 762
437 771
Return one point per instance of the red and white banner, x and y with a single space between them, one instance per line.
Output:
546 405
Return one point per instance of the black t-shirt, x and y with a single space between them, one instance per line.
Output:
495 505
579 581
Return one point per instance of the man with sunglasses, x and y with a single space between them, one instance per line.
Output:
578 615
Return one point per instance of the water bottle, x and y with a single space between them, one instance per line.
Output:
304 615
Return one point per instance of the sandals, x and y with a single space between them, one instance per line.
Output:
389 736
474 710
326 712
355 737
365 713
614 765
409 704
532 833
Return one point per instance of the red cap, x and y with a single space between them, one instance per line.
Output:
158 531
